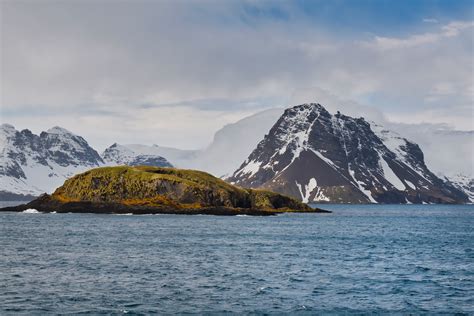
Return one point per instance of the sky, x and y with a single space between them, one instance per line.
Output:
173 72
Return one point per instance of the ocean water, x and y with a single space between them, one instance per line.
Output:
366 258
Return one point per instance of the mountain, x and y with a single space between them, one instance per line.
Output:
153 190
123 155
231 145
316 156
33 164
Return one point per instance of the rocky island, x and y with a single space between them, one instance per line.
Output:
159 190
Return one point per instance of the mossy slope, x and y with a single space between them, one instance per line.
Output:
144 186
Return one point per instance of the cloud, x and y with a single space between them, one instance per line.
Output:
334 103
448 152
156 125
449 30
177 71
430 20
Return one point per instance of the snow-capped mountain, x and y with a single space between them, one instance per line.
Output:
132 156
121 154
464 183
33 164
315 156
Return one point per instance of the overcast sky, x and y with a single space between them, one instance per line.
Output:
173 72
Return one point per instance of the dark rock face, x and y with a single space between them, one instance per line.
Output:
315 156
45 204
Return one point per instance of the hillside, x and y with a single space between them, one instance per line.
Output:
147 189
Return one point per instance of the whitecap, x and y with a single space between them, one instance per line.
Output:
31 211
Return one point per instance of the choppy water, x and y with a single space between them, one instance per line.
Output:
407 259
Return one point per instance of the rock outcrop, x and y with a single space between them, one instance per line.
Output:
149 190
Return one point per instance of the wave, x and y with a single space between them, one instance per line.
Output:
31 211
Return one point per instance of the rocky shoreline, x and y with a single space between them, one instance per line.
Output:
45 204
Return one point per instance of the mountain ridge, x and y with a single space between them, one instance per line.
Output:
32 164
231 145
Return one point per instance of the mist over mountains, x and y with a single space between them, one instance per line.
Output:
229 147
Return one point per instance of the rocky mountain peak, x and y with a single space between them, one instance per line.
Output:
58 131
32 164
316 156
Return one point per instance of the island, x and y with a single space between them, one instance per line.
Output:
159 190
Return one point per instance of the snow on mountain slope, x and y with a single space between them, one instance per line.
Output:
180 158
132 156
316 156
456 156
34 164
464 183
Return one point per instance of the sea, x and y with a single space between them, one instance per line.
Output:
361 259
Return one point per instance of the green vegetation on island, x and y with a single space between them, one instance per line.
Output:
145 190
